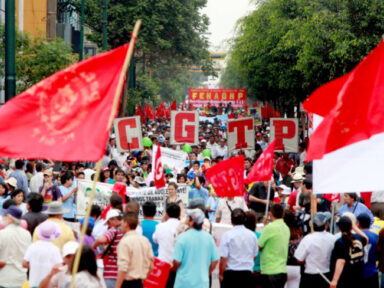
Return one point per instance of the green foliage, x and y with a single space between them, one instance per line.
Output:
36 58
172 36
285 49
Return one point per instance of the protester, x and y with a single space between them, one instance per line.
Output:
11 184
19 175
238 249
347 258
42 255
68 192
3 195
371 276
293 200
195 255
165 235
18 196
87 272
55 213
14 242
149 224
354 206
226 206
274 243
88 238
199 191
49 190
173 198
135 255
315 252
258 196
37 180
34 216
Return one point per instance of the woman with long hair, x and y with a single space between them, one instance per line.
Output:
87 272
347 259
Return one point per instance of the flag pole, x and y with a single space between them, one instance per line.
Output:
268 196
98 165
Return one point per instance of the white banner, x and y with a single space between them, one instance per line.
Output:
171 159
104 192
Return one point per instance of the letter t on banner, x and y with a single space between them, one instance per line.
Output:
241 134
159 171
184 127
128 134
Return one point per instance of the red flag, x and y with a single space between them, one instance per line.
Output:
358 113
159 171
263 168
227 177
159 275
58 117
173 106
332 197
139 112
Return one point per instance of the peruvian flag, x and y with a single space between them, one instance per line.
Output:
347 146
67 116
159 171
263 168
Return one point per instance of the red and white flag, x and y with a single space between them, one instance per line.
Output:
263 168
347 145
159 171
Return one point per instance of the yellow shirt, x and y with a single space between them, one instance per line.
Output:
134 256
66 234
377 225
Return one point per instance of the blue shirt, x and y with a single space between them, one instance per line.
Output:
199 193
149 227
356 209
69 204
212 202
370 254
22 180
195 250
2 200
240 246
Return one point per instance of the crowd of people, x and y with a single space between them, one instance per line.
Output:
337 243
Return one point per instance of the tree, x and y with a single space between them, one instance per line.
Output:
285 49
36 58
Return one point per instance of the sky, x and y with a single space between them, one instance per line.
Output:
223 15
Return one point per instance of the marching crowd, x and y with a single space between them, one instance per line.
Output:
292 246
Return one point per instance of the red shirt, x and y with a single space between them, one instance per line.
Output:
292 199
284 166
110 268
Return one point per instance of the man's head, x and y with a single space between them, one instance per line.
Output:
320 221
277 211
96 211
247 163
364 221
116 201
350 198
19 164
196 218
35 202
130 221
119 175
113 218
133 207
173 210
39 167
12 215
66 180
149 209
237 217
307 185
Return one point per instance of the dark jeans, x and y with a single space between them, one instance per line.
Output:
274 281
315 281
132 284
243 279
372 281
171 279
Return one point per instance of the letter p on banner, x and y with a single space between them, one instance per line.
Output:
128 134
286 133
184 127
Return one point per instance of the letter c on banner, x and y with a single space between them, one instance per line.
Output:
127 142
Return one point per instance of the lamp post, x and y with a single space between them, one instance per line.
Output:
81 54
10 50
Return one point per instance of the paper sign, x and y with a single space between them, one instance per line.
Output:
171 159
241 134
184 127
128 134
286 133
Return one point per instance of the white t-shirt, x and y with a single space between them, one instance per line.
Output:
315 249
165 236
42 256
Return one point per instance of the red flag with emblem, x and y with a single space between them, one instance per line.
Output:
64 117
159 171
263 168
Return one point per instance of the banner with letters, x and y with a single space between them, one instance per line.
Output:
241 134
104 191
201 97
286 133
171 159
128 134
184 127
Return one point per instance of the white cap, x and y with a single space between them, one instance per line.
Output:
70 248
112 214
286 189
113 136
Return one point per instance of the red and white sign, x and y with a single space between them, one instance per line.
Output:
286 133
241 134
184 127
201 97
227 177
128 134
159 171
263 168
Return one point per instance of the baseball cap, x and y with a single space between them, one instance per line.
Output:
70 248
319 219
112 214
91 221
197 215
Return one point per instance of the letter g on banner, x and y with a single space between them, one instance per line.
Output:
184 127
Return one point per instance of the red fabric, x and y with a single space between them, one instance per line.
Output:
105 212
120 188
292 199
139 112
366 196
335 197
283 166
57 118
359 110
227 177
173 106
159 171
263 168
161 111
159 275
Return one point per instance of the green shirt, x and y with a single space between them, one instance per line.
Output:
274 241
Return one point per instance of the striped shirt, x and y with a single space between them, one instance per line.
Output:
110 267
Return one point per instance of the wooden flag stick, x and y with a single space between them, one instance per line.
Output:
119 89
